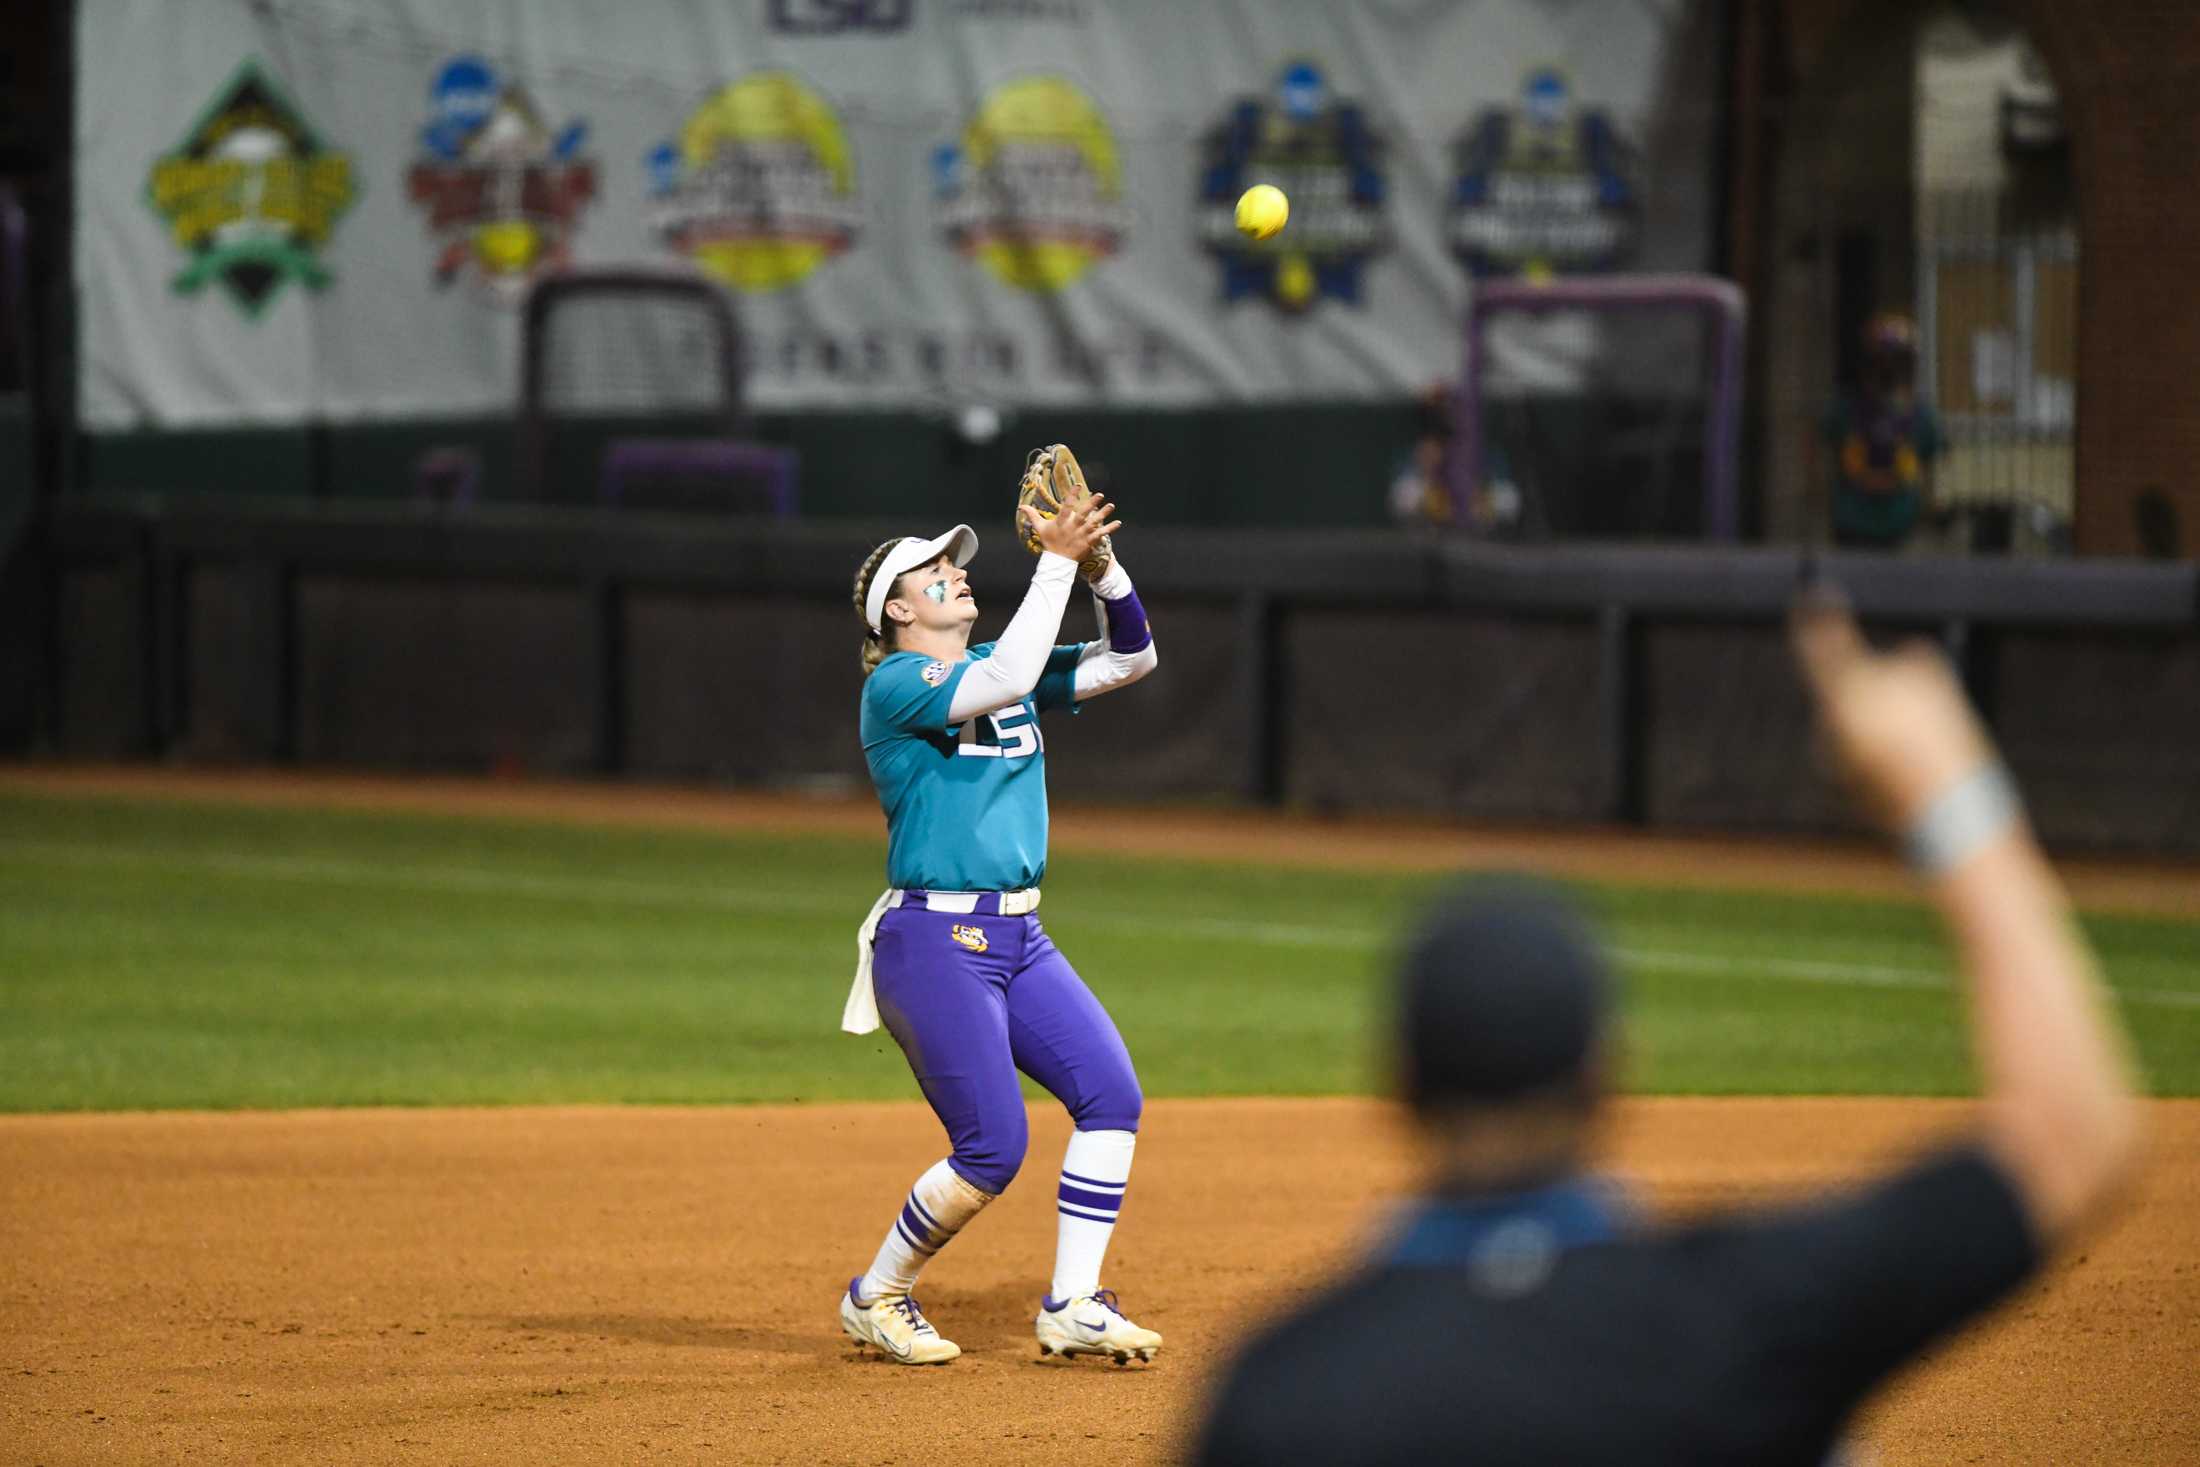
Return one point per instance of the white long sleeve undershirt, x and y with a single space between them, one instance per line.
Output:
1100 668
1020 655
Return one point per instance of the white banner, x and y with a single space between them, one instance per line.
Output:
296 209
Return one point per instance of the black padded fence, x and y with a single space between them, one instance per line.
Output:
1344 671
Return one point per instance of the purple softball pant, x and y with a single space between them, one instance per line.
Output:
972 999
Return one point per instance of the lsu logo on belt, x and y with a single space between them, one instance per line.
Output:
970 937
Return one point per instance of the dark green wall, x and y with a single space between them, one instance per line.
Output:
22 589
15 466
1306 465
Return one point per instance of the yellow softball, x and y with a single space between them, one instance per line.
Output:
1261 210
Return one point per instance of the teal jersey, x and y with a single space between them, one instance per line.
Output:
966 804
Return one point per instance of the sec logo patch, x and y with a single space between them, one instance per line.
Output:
934 673
970 937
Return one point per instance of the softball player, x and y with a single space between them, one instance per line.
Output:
952 957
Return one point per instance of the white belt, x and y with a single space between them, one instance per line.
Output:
1013 903
860 1015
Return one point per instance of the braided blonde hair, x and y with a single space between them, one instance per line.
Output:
875 644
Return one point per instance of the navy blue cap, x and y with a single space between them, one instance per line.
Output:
1502 991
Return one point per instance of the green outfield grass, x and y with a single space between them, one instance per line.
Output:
182 954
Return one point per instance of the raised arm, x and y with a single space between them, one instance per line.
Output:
2061 1119
1020 655
1125 653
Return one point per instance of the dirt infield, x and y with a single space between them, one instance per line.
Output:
2136 885
589 1285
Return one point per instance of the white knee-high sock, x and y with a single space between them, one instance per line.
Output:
935 1210
1095 1170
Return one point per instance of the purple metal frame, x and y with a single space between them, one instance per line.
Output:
552 291
718 458
450 475
1721 300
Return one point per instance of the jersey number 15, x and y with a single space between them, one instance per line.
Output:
1015 735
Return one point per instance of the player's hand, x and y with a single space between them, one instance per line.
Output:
1083 523
1898 721
1096 560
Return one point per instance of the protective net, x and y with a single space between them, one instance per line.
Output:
1601 408
631 353
634 400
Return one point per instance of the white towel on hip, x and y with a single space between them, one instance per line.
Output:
861 1014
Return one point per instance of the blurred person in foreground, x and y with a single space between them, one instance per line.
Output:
1521 1313
1883 440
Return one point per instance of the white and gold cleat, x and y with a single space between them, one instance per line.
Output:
1092 1324
896 1326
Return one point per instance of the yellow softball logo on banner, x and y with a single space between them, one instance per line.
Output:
1034 190
759 187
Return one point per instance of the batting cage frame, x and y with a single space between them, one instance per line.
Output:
711 446
1718 302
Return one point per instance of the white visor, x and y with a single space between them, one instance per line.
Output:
961 542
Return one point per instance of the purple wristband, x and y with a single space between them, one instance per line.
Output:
1127 629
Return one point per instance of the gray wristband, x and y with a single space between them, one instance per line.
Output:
1961 819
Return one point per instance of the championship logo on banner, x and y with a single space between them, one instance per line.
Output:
501 192
1328 162
1544 188
1034 190
759 189
251 194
